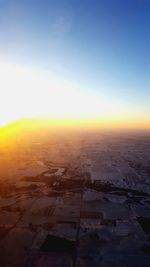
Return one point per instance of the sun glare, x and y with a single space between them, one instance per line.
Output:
28 93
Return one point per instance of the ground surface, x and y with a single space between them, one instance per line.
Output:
75 199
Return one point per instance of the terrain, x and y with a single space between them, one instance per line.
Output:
74 198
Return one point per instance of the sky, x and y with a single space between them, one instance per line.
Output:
75 59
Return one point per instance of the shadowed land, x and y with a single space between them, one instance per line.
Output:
74 197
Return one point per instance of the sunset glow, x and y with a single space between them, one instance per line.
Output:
27 93
74 133
75 64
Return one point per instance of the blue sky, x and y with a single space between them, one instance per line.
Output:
101 46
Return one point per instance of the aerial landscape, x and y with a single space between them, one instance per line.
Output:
75 199
74 133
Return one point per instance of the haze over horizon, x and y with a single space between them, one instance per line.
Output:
76 62
74 133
